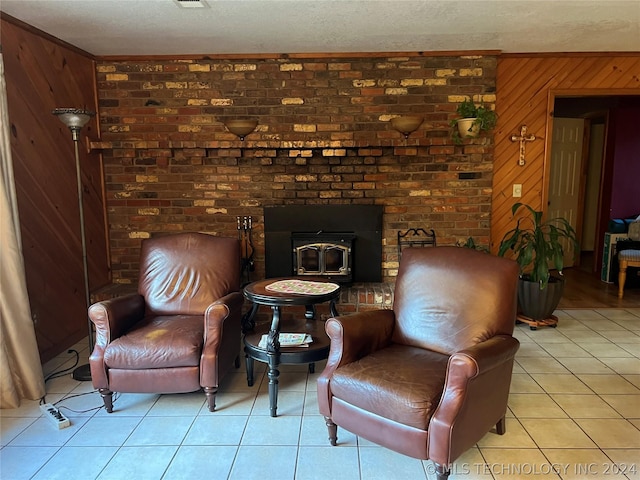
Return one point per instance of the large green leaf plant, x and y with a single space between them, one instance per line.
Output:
537 245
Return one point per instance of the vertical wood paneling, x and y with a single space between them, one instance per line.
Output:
42 75
524 88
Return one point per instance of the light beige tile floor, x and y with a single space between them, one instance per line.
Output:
574 413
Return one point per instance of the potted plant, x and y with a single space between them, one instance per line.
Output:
473 120
538 248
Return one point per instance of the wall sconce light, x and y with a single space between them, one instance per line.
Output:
241 128
406 124
75 119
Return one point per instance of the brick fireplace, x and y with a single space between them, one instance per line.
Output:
323 138
159 191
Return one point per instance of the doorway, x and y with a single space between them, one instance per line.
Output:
586 172
566 179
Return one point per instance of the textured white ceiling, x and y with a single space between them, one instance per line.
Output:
160 27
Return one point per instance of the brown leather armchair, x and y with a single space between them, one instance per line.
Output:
430 377
181 332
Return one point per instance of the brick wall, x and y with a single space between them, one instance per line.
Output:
323 137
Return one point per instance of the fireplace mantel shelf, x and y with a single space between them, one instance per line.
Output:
271 145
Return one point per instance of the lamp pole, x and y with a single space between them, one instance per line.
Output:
75 119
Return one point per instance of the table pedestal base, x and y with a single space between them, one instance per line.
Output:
316 351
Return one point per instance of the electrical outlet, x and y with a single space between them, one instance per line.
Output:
517 190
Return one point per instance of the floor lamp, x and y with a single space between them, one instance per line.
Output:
75 119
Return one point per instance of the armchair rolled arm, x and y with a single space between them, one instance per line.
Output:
115 316
483 356
353 337
475 397
221 319
215 315
111 318
357 335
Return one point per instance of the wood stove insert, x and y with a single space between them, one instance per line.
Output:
323 254
339 242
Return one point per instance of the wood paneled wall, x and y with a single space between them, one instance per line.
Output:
526 87
41 74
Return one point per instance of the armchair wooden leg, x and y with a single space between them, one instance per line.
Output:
501 426
442 472
333 431
236 362
107 398
210 393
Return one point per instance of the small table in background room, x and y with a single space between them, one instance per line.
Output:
278 293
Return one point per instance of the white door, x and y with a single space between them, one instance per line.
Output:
595 156
566 175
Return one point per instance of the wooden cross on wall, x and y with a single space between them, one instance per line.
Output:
522 138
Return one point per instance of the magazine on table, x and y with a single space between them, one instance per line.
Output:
288 340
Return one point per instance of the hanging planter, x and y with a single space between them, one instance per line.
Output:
467 127
473 120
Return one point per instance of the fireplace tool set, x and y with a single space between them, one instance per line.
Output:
245 226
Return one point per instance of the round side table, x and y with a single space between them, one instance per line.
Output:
271 352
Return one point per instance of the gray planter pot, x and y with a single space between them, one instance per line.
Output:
539 304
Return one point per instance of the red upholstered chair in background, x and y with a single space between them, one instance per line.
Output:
430 377
181 332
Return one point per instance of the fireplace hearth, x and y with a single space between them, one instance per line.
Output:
339 242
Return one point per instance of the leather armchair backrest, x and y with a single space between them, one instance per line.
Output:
450 298
184 273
